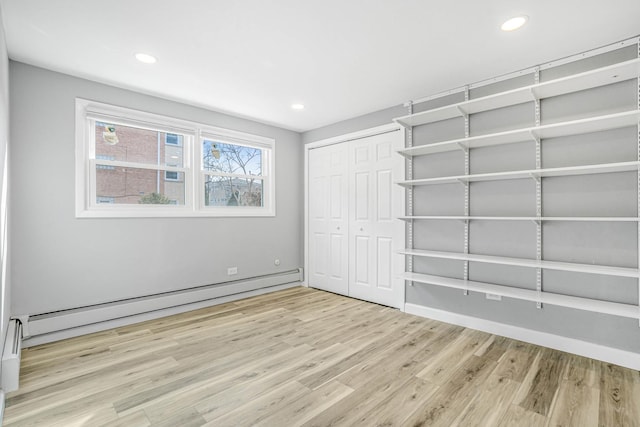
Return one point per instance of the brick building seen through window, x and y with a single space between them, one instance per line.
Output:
128 185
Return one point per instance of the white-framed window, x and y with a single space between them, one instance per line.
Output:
171 176
234 173
131 163
172 139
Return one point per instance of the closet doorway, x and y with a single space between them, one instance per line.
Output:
353 235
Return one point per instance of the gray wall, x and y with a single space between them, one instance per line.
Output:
377 118
5 289
60 262
590 242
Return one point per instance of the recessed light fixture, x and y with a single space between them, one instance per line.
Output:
146 58
297 106
514 23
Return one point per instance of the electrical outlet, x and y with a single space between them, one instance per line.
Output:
232 270
494 297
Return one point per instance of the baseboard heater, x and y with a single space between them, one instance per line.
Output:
11 356
61 324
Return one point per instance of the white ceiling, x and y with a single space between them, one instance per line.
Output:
341 58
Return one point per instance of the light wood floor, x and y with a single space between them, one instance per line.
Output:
306 357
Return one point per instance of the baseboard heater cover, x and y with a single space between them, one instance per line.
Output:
11 356
1 406
62 320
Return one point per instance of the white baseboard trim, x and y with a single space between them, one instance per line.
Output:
570 345
58 326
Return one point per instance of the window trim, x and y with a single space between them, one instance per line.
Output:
176 179
194 133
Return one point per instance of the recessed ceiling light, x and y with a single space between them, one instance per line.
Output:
297 106
146 58
514 23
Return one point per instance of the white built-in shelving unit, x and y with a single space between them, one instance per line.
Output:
588 80
619 72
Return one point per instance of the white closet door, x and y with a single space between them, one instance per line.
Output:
328 222
374 204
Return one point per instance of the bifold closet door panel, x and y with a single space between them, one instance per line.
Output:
374 203
328 222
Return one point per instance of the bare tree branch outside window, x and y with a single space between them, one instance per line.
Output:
239 182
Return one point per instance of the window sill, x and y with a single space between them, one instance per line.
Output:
175 213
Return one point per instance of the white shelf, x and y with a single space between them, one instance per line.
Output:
472 218
588 304
523 262
533 173
523 218
577 82
575 127
592 218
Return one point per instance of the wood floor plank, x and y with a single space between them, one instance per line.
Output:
306 357
446 362
450 399
541 383
137 419
86 385
576 405
619 397
308 405
373 343
216 405
517 360
374 382
81 416
405 398
252 413
490 403
160 402
186 417
399 360
517 416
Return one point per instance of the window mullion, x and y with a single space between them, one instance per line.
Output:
233 175
134 165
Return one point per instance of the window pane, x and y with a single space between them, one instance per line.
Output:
227 191
230 158
138 186
173 139
131 144
172 176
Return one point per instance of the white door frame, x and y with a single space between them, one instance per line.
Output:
337 140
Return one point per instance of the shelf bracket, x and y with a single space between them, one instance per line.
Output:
535 177
463 147
534 137
462 112
534 95
405 155
403 124
463 182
